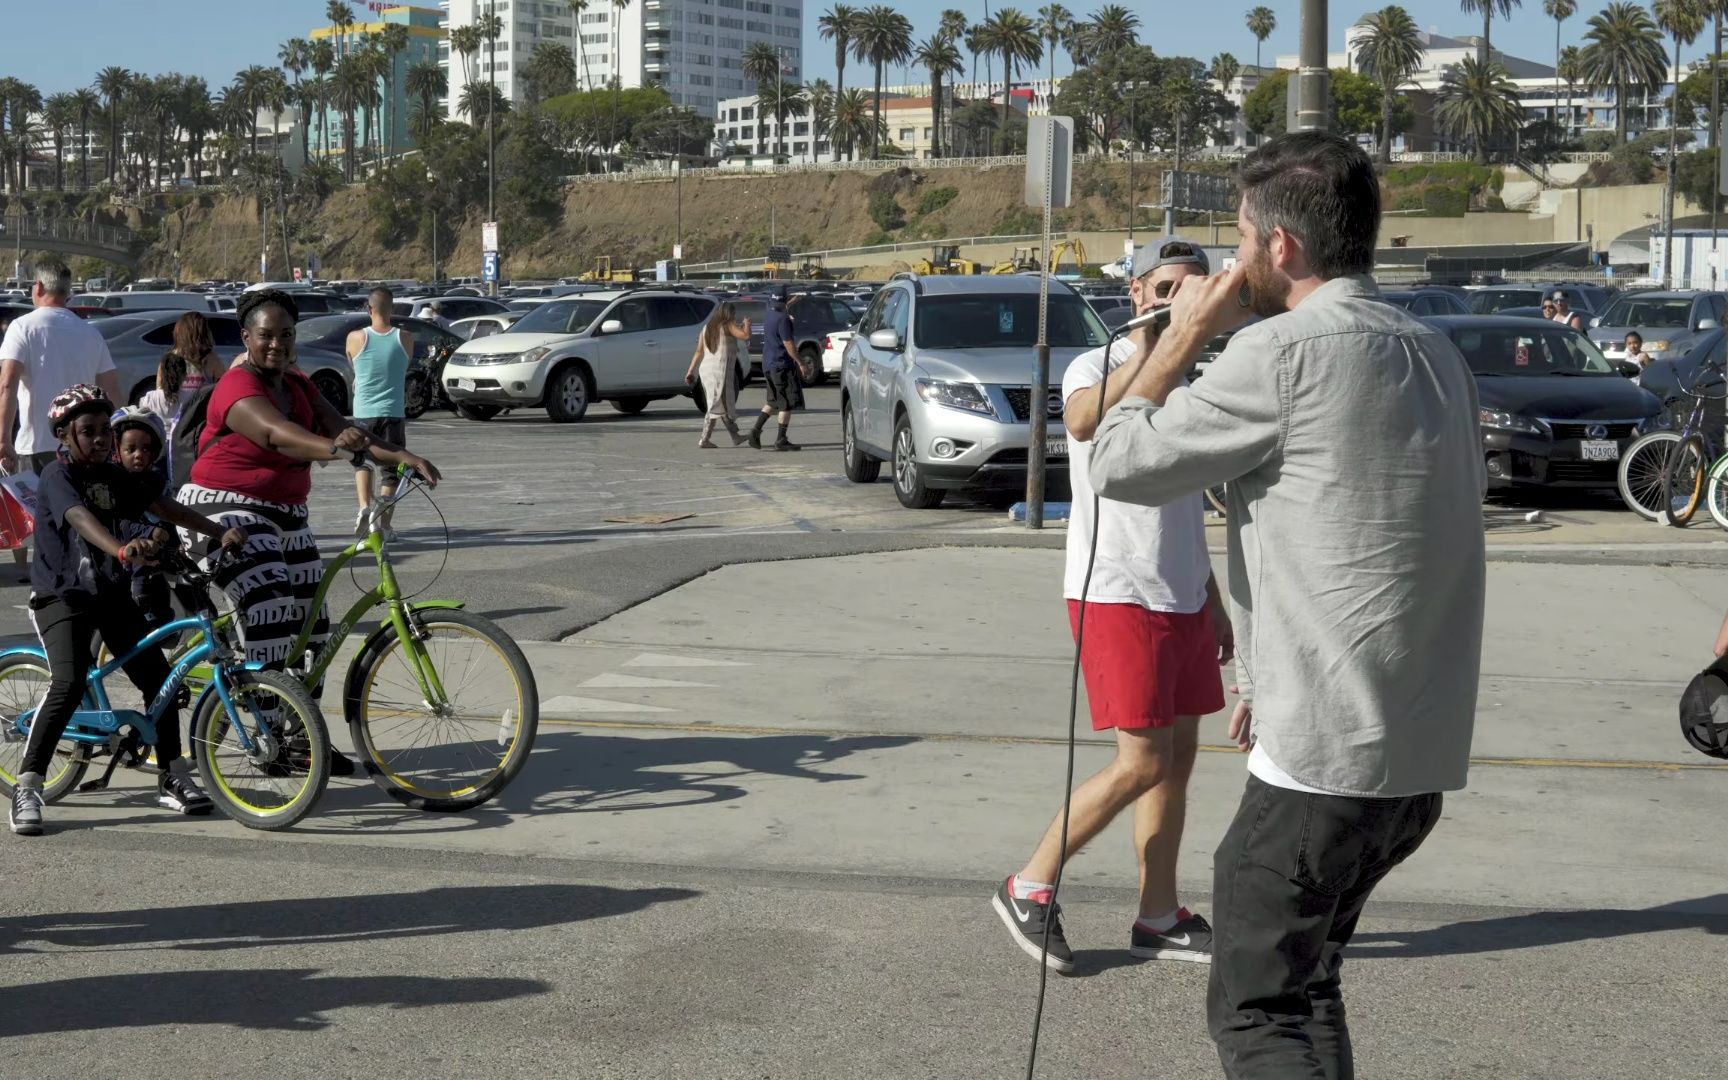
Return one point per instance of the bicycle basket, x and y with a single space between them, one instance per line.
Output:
1704 711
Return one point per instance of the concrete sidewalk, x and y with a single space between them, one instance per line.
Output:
827 762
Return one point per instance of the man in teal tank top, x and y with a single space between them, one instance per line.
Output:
379 353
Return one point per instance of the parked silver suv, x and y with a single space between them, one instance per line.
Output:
937 382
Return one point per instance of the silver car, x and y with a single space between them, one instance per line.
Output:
937 382
137 342
1669 322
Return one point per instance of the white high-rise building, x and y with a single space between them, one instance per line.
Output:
691 48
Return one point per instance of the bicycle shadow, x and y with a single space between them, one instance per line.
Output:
583 772
1541 929
284 999
310 920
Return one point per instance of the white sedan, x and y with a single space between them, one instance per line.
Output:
834 351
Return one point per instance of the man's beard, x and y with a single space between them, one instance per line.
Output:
1270 291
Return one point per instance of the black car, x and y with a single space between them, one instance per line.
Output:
814 317
1587 299
1424 302
330 332
1554 411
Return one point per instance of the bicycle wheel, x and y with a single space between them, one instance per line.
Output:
1683 481
1716 492
457 755
23 683
1641 470
278 782
1215 499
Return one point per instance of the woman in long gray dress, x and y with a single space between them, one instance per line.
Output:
716 364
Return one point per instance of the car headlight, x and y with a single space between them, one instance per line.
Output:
955 395
534 355
1505 421
1655 346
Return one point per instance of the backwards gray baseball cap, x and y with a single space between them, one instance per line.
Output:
1170 251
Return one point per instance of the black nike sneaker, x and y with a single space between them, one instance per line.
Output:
1026 921
1190 939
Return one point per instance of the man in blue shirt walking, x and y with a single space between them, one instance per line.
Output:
379 353
779 372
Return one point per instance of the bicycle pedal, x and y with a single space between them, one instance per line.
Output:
98 784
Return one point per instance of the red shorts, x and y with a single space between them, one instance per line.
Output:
1145 668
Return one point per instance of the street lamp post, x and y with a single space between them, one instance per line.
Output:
1310 85
491 127
1133 192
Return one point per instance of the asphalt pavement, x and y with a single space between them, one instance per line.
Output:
792 734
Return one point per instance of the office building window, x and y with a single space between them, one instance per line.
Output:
749 112
926 134
799 148
906 135
801 128
732 115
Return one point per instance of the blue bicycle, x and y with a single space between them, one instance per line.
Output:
258 737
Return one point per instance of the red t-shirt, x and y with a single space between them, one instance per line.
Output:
228 461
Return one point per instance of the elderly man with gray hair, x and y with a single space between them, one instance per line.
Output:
42 354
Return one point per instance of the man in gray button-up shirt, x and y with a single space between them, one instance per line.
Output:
1347 431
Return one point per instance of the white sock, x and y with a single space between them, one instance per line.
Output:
1023 889
1162 923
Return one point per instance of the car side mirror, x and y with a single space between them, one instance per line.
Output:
611 326
886 340
1595 322
1709 324
1630 370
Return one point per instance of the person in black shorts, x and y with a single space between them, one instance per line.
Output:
779 372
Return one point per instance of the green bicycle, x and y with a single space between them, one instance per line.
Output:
441 703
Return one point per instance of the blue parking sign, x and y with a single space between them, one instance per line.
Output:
489 266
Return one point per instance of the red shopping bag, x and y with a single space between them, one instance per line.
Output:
17 510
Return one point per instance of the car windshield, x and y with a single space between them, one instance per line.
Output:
1005 321
1672 313
560 317
328 329
1488 301
1498 350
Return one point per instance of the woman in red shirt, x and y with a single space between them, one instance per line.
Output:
265 426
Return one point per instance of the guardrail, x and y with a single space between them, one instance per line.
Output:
666 172
35 230
922 246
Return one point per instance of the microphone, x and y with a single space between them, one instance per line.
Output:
1158 318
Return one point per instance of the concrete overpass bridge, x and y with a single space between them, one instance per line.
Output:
68 236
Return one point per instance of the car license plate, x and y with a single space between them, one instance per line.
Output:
1601 450
464 384
1056 448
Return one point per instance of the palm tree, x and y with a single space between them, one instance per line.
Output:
427 82
783 99
113 83
87 101
1223 70
579 8
836 25
1014 36
59 112
1683 21
853 123
941 58
974 38
376 65
952 25
392 43
341 17
761 64
350 87
821 96
551 71
195 116
465 42
323 61
1111 29
481 99
1624 51
1571 72
25 133
1559 11
1390 52
1055 27
295 56
1487 8
275 96
881 36
1479 104
1261 23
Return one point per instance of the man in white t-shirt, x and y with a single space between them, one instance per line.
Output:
1155 633
43 353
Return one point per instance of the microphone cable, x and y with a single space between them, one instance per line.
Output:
1073 707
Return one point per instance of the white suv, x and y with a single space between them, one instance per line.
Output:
629 348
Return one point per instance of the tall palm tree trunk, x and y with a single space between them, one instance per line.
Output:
876 124
1007 100
1668 187
1557 74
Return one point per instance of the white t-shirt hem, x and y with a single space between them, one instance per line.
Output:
1263 768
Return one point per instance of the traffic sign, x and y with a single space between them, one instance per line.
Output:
1049 160
489 236
1200 191
489 266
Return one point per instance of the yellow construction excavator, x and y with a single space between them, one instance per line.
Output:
1026 260
945 259
603 272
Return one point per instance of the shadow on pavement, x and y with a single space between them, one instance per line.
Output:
290 999
581 772
252 924
1541 929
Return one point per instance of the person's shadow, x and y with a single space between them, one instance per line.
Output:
288 999
251 924
1542 928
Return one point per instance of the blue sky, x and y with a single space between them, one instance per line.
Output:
61 45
